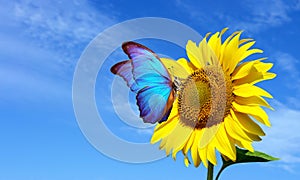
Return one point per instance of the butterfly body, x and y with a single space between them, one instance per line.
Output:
146 76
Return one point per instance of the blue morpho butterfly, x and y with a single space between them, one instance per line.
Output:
148 77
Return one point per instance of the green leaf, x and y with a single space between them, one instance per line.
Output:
245 156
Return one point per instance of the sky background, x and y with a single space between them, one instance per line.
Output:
41 43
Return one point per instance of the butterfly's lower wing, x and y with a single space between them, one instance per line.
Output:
154 103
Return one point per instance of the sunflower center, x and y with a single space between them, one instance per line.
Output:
205 97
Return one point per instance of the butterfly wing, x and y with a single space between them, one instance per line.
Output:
145 62
146 75
124 69
154 103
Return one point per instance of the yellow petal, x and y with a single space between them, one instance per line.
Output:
178 137
242 41
229 38
208 135
229 53
250 52
247 123
194 149
244 69
205 57
203 156
175 68
189 143
254 78
173 114
207 34
162 144
253 66
246 145
187 65
234 130
225 143
253 137
223 31
215 43
186 161
248 90
223 49
252 100
238 56
255 111
164 130
211 154
263 67
194 54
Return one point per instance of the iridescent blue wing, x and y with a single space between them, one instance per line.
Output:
146 75
145 62
154 103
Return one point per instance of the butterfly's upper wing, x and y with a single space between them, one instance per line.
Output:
146 75
145 62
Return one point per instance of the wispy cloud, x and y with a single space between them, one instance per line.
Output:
41 42
287 63
254 16
297 5
124 105
262 15
294 101
283 138
61 20
288 71
144 131
270 12
25 86
64 27
197 13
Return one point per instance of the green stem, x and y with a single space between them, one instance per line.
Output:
210 171
219 173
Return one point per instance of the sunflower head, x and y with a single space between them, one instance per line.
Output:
217 105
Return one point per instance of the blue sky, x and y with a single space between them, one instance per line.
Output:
41 43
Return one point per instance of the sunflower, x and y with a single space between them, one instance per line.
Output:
217 103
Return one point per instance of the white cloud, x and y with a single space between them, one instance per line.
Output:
67 23
288 72
283 138
297 6
41 42
25 86
60 28
287 63
197 14
270 12
124 106
139 131
294 101
266 14
254 15
261 15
